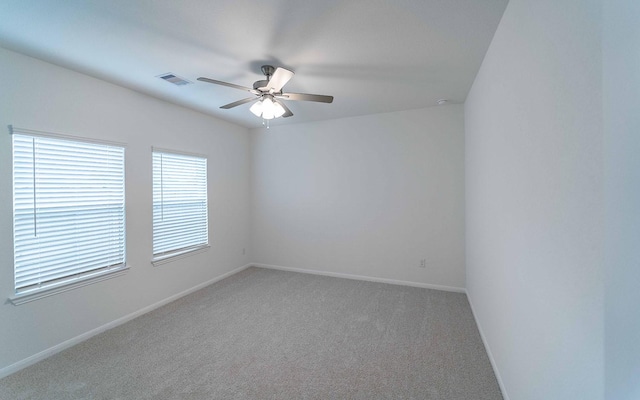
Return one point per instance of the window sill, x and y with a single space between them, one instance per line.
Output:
36 294
179 255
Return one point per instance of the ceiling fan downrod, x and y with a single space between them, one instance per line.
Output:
268 71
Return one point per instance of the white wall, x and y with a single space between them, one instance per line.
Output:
534 200
368 196
41 96
621 57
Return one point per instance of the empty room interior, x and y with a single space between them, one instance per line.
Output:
320 200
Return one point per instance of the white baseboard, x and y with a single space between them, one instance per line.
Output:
363 278
6 371
489 353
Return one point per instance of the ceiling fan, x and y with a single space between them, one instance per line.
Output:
269 94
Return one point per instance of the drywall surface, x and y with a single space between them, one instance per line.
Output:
40 96
621 87
534 200
369 196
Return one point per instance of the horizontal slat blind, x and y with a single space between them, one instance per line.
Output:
179 203
69 220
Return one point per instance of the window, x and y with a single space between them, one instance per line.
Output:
68 211
179 204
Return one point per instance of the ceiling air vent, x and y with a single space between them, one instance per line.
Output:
175 79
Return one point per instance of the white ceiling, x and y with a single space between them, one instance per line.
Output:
372 55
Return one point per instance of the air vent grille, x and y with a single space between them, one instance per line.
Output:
175 79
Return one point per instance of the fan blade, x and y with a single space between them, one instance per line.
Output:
306 97
231 85
238 103
287 112
278 79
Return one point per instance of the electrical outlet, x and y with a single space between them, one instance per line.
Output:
423 263
243 252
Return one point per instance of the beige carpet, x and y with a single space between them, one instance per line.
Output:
264 334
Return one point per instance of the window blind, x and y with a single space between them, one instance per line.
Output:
69 211
179 203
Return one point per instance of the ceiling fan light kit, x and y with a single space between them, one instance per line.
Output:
267 108
269 104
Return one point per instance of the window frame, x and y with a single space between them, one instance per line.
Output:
76 279
178 253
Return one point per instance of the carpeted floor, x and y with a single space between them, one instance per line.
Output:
265 334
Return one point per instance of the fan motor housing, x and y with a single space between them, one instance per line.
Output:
259 84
